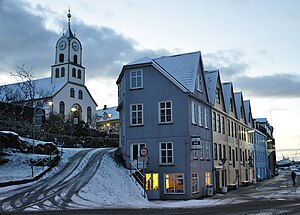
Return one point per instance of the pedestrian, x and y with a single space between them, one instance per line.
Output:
293 175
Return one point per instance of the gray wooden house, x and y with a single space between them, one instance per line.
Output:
163 105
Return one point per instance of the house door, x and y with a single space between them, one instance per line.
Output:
217 178
152 186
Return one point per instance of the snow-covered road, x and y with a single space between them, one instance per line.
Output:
57 191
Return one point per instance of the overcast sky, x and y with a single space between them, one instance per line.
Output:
254 44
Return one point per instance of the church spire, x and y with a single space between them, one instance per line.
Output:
69 33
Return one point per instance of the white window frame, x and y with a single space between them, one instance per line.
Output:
134 77
165 109
201 150
139 145
195 179
136 111
175 178
194 112
166 150
207 151
195 154
199 83
205 118
200 123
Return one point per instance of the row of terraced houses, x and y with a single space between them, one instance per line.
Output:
199 133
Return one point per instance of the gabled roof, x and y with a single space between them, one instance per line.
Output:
227 89
211 83
238 98
43 89
102 114
181 69
248 112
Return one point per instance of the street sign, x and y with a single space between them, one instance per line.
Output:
144 158
143 151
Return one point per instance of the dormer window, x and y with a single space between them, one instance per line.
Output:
199 83
61 58
75 59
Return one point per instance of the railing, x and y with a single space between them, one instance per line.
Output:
138 173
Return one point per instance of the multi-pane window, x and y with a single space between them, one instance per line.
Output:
224 151
151 181
166 153
80 94
194 121
205 118
136 79
136 114
220 151
223 125
207 178
215 151
200 115
229 149
195 154
72 93
195 183
219 122
232 129
207 150
165 112
228 126
199 83
201 150
62 108
218 95
214 124
135 150
235 130
174 183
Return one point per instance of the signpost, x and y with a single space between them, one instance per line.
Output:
144 158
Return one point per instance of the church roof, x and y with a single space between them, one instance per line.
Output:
43 88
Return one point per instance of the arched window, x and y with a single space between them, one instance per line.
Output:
57 73
63 72
72 93
75 59
89 115
79 74
61 57
62 108
80 94
73 72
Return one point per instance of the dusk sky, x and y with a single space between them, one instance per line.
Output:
254 44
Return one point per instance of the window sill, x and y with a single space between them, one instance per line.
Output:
138 88
137 125
165 123
171 164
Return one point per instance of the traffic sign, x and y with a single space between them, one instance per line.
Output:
143 151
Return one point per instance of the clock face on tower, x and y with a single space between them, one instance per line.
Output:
75 46
62 45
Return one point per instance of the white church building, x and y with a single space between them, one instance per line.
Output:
65 91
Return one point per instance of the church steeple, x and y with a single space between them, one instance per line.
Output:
69 33
68 59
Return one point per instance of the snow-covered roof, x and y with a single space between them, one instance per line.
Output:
183 68
180 69
103 114
211 83
43 89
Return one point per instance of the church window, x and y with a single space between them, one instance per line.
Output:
72 93
73 72
80 94
61 58
75 59
79 74
62 108
89 115
57 73
62 72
